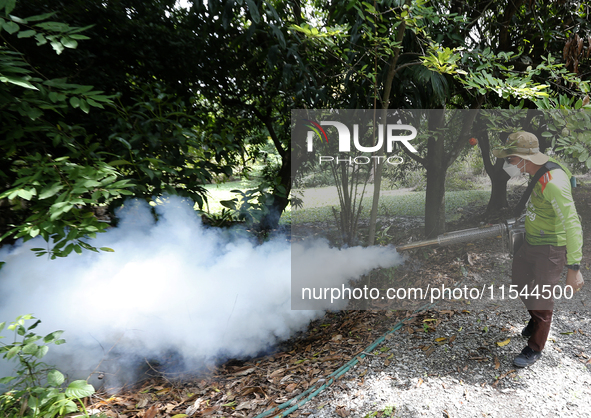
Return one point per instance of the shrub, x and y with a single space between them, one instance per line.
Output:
38 390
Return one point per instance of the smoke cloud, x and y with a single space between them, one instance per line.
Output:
172 285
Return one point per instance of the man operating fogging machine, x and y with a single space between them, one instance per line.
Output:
553 238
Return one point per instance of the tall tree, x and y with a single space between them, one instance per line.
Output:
436 65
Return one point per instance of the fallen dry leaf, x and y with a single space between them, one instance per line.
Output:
420 382
497 363
210 411
152 412
504 343
143 401
245 372
251 389
502 377
277 373
342 412
244 405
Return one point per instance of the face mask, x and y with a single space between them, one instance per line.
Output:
512 170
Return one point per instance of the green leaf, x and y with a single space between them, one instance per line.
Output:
119 162
41 39
55 378
254 11
69 42
8 5
57 47
79 389
30 348
18 81
42 351
13 352
11 27
107 249
53 26
79 37
49 338
6 380
26 194
43 16
84 106
34 113
74 102
26 34
2 325
50 191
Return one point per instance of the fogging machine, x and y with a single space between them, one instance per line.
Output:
512 232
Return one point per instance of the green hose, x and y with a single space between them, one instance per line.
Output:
296 402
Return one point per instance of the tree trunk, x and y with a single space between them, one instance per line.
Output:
436 166
377 183
435 201
498 177
498 194
280 199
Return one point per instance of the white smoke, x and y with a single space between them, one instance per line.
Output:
173 285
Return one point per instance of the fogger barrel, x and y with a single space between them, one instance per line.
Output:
511 231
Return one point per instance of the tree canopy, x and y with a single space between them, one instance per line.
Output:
104 99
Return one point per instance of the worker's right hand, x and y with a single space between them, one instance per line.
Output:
574 278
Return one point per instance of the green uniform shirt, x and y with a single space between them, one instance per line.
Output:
551 215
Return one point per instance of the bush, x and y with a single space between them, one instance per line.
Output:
38 390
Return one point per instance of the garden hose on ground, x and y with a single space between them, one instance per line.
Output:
310 393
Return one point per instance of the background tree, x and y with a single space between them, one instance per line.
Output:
438 66
546 40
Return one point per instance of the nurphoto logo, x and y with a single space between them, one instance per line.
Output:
390 135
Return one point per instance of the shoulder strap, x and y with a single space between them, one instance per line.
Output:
545 168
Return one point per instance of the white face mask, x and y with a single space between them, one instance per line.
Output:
513 169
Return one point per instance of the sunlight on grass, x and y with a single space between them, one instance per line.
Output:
318 202
319 206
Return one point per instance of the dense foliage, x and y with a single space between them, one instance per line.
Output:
183 97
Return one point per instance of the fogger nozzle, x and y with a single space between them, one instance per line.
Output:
508 231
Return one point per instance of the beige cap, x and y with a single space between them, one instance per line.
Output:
524 145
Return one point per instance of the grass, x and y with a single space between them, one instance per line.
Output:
407 203
318 202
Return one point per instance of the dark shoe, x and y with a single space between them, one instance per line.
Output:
527 357
528 330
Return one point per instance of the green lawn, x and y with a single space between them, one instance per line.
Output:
318 204
319 201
